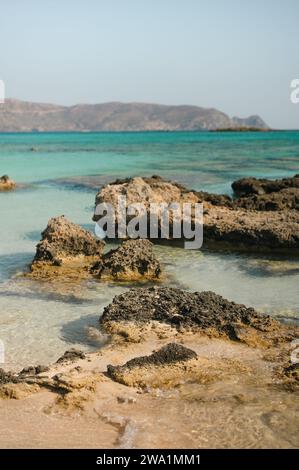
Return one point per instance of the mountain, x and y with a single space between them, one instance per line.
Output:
251 121
23 116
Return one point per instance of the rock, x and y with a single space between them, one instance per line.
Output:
198 311
71 381
292 372
33 370
245 230
6 184
62 239
8 377
18 391
65 248
285 199
133 260
225 224
154 370
71 355
249 186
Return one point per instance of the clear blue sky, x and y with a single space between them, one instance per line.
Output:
236 55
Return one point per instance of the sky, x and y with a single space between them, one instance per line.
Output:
238 56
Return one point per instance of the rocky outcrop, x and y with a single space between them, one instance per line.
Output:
249 186
71 355
225 224
267 195
6 184
8 377
186 311
285 199
134 260
170 361
66 249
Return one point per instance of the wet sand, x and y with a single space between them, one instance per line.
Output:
235 399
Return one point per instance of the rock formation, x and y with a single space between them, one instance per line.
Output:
267 195
225 224
65 249
68 250
184 311
134 260
249 186
167 364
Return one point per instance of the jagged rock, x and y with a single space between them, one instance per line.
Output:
33 370
8 377
291 371
215 199
163 365
285 199
71 355
133 260
249 186
62 239
6 184
198 311
225 224
66 249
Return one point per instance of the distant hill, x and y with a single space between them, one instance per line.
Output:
23 116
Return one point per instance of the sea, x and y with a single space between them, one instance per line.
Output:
60 173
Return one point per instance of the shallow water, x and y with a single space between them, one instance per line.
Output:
39 321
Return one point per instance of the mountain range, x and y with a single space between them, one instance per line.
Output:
24 116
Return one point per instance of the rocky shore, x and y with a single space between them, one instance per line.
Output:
265 218
193 354
178 368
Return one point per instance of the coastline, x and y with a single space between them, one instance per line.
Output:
78 405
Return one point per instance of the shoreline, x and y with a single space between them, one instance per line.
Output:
233 368
78 393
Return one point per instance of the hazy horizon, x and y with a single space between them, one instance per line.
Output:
237 57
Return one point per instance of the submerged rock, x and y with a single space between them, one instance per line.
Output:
66 247
6 184
225 224
133 260
198 311
155 369
249 186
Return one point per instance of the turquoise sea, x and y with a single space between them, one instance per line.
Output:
61 173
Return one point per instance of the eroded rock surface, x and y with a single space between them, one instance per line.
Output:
169 361
188 311
249 186
225 224
285 199
66 249
134 260
71 355
267 195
